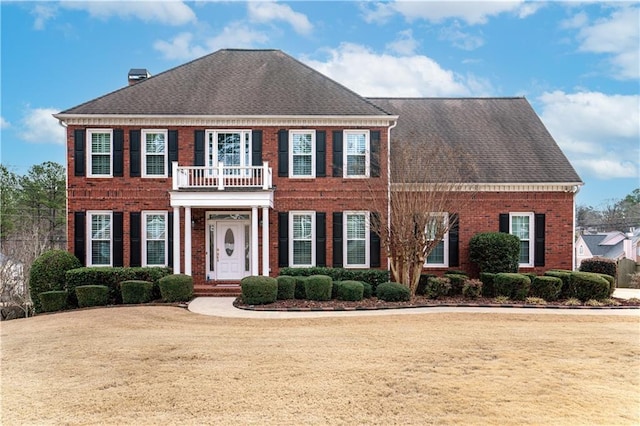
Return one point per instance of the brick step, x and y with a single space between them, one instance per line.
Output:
221 290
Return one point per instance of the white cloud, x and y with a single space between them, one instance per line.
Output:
371 74
179 48
459 38
4 124
43 12
237 35
39 126
405 44
165 12
267 11
599 133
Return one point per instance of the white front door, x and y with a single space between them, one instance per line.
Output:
227 250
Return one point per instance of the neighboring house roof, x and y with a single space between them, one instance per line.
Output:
233 82
602 245
503 138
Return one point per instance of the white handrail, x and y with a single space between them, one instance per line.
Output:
221 177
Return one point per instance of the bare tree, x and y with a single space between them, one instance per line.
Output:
427 181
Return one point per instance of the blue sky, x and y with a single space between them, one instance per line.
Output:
577 63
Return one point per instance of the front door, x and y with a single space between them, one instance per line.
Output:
227 250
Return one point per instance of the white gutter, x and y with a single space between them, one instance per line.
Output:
573 241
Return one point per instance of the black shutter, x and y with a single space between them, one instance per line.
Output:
118 152
198 148
375 153
454 244
337 239
170 239
504 223
135 242
173 151
134 153
321 239
283 239
118 243
256 148
283 153
78 237
78 154
374 243
539 243
337 153
321 153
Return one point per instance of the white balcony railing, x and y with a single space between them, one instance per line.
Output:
221 177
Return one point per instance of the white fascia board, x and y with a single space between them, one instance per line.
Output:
222 199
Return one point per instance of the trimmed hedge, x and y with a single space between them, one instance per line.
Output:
299 292
495 252
546 287
589 286
367 290
136 291
488 289
52 301
457 282
92 295
350 291
513 286
437 287
286 287
371 276
612 283
599 265
176 288
393 292
48 273
259 290
318 287
567 291
472 289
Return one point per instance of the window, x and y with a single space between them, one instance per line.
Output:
521 225
356 153
100 242
154 153
154 239
302 231
100 149
439 256
232 148
356 242
302 148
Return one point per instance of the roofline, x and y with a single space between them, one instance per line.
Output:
572 187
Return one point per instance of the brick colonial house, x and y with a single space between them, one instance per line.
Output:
245 161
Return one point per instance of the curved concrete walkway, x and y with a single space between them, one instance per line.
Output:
223 307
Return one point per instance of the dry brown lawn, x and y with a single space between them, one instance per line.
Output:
164 365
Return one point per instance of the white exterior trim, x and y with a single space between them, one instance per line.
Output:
492 187
222 199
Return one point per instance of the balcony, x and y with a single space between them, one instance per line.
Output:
221 177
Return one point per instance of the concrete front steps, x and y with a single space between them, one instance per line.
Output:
219 289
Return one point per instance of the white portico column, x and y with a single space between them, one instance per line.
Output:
176 240
187 240
265 241
254 241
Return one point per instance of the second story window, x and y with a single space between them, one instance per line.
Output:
232 148
302 148
99 152
356 153
154 154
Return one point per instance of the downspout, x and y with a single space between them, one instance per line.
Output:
395 123
573 242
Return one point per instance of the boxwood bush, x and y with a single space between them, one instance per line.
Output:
567 291
472 289
300 292
52 301
437 287
457 282
487 279
599 265
48 273
495 252
367 290
612 283
286 287
176 288
513 286
350 290
589 286
92 295
546 287
371 276
259 290
136 291
393 292
318 287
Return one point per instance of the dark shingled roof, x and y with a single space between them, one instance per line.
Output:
504 137
234 82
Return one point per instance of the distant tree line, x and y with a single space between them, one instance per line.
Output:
614 215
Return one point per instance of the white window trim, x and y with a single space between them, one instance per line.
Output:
313 153
143 141
90 153
530 215
89 239
144 236
215 132
367 160
313 237
445 239
367 237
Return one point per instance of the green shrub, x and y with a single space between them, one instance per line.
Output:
286 287
589 286
546 287
48 273
300 292
259 290
318 287
437 287
367 290
422 284
457 282
513 286
488 289
334 289
52 301
599 265
566 291
371 276
531 275
495 252
612 283
92 295
456 272
136 291
176 288
472 289
350 290
393 292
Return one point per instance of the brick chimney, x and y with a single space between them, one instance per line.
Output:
137 75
